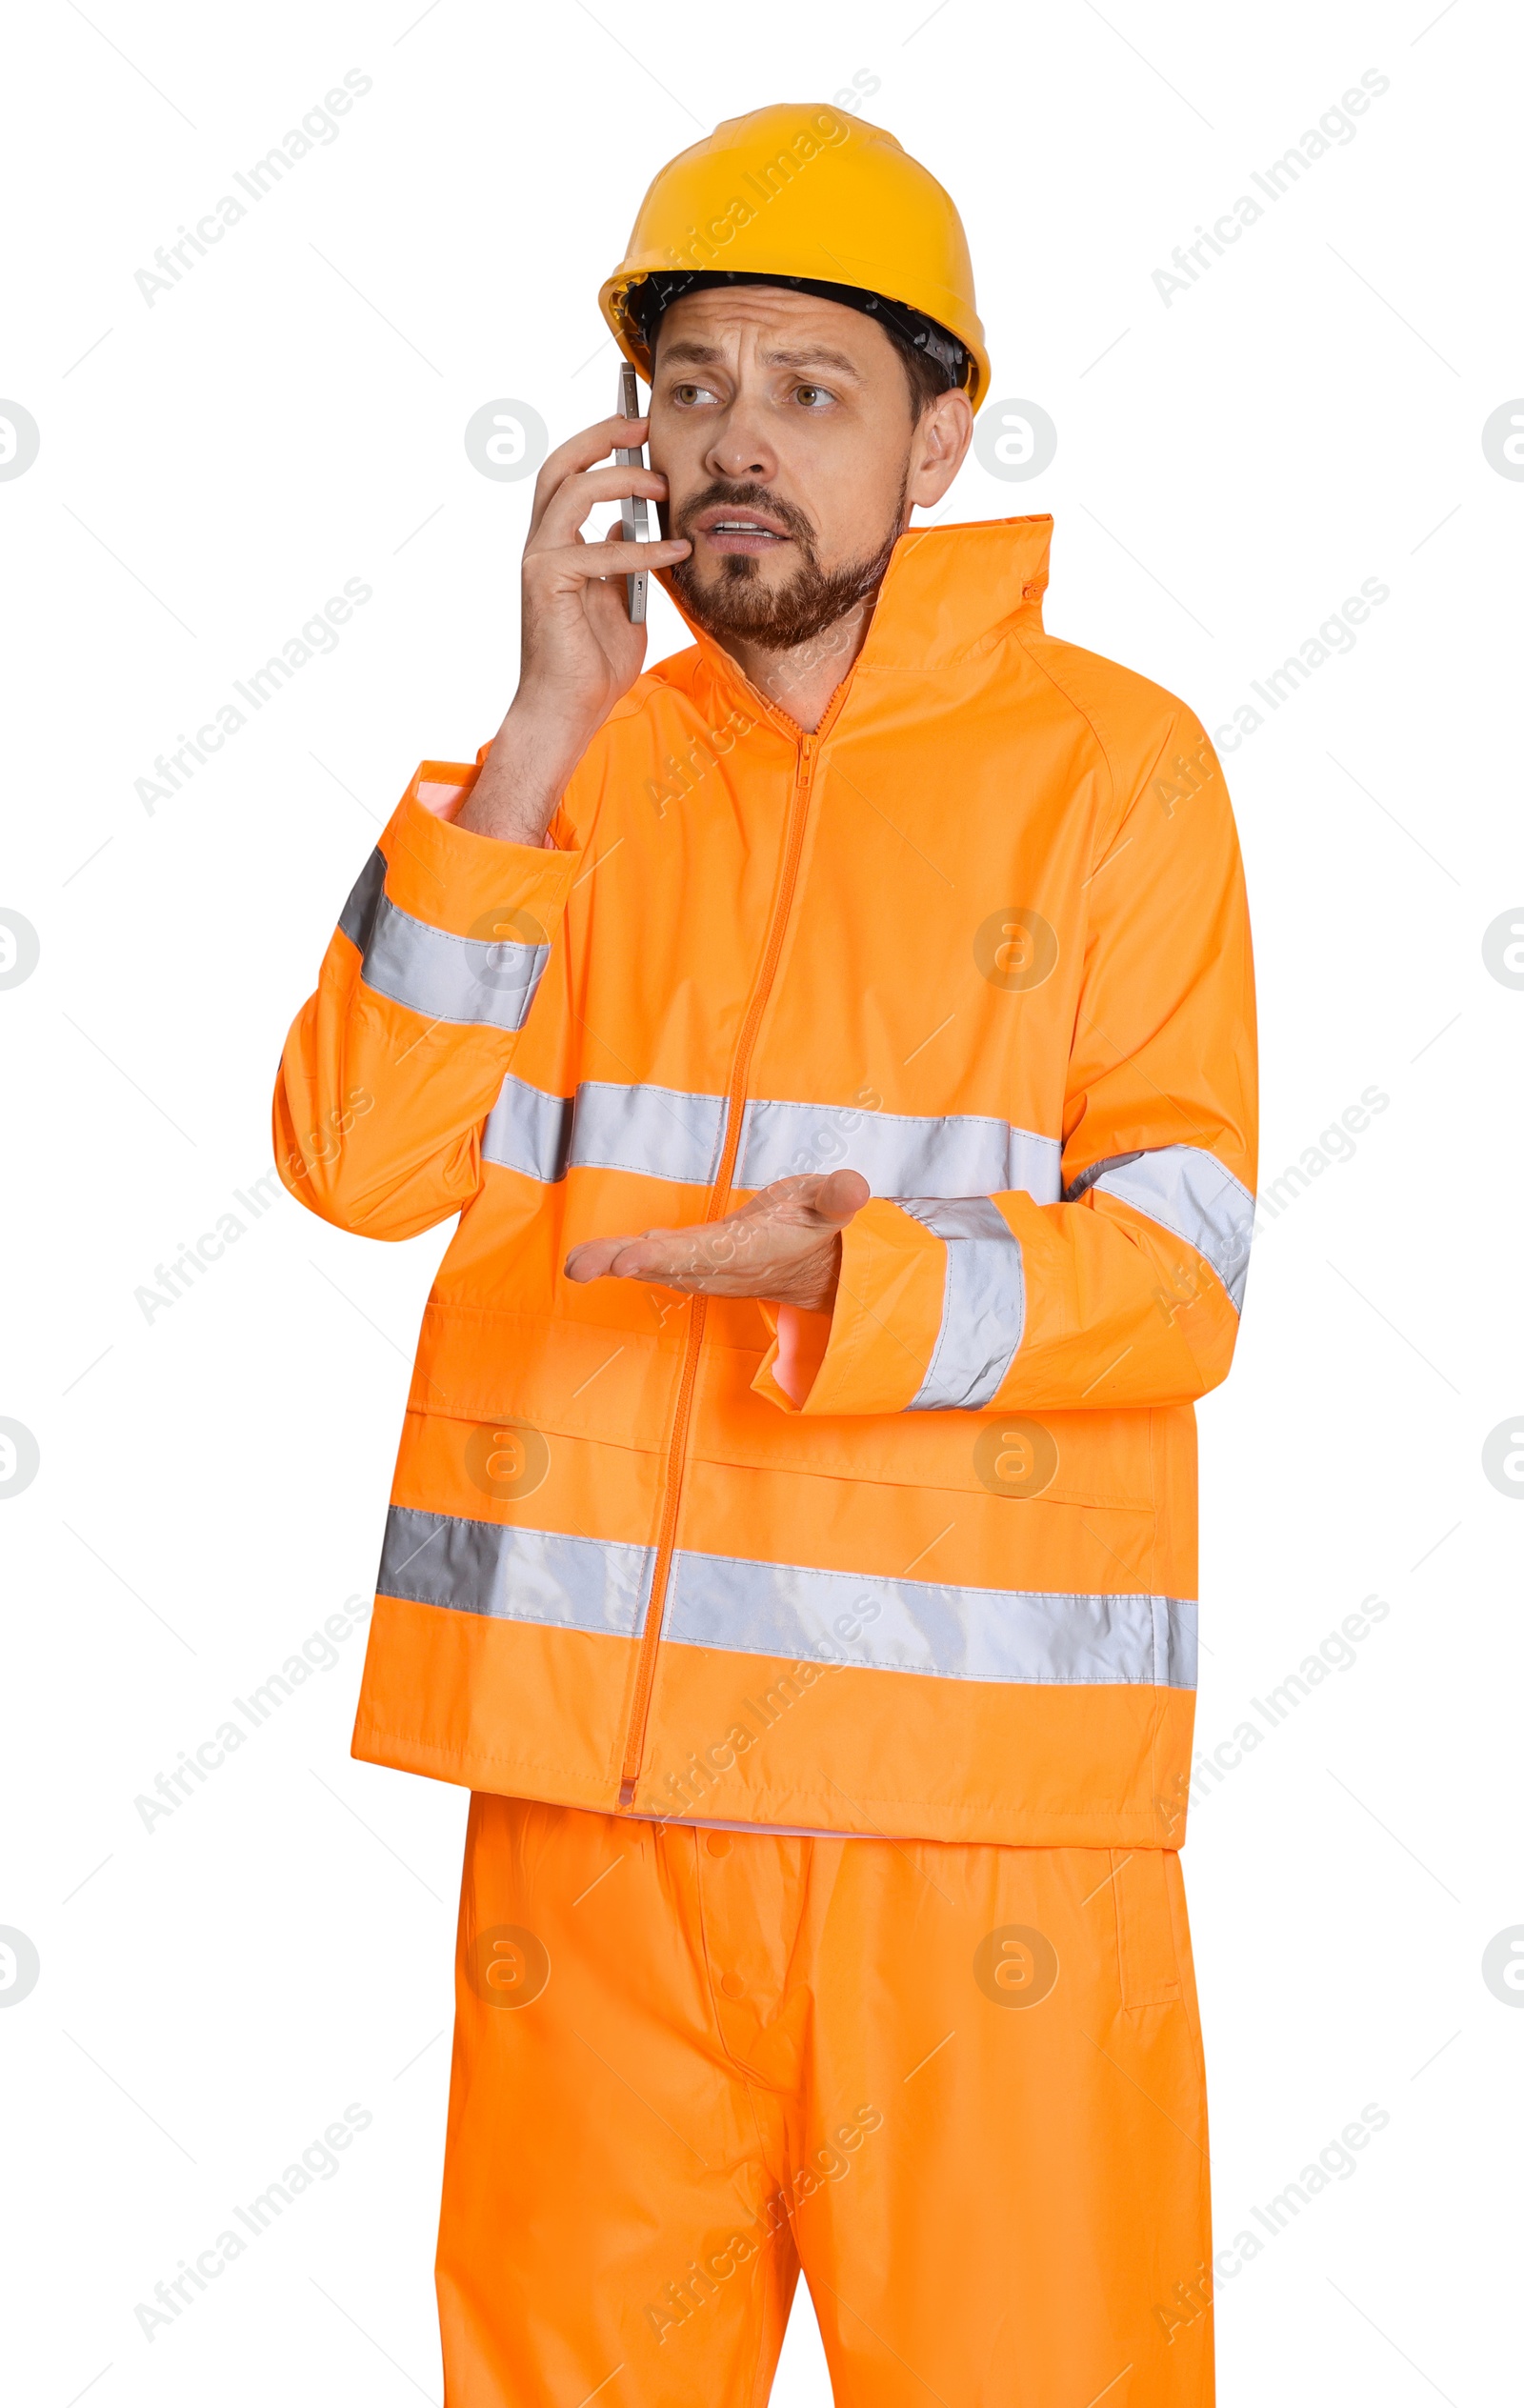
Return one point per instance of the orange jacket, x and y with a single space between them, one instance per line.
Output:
982 937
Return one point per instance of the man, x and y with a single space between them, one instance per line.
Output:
838 1044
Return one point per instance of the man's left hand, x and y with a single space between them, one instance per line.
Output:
784 1247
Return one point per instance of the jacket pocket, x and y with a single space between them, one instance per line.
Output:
1148 1955
571 1378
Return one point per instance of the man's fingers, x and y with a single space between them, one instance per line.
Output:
765 1241
841 1194
652 1256
605 1258
592 1261
579 563
829 1196
569 506
583 451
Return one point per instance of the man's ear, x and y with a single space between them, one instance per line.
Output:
939 447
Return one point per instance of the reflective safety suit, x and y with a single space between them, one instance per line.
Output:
982 937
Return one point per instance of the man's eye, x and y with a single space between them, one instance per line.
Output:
812 396
686 396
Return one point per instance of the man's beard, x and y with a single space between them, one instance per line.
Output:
776 617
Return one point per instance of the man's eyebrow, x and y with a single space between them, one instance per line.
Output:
814 355
693 353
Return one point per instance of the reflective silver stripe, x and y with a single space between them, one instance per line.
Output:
359 916
662 1133
984 1301
516 1576
920 1626
1097 1170
789 1610
659 1132
528 1130
459 978
471 981
961 1153
1187 1191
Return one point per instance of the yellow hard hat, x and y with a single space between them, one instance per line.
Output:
801 193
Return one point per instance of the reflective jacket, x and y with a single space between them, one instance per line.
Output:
982 936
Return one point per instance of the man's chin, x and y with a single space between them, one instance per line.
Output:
739 601
744 604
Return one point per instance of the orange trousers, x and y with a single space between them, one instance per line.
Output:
962 2086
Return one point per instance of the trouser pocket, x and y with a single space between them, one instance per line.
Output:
1148 1955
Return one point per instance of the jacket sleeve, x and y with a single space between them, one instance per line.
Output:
392 1066
1127 1291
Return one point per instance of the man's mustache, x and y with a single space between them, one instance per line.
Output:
746 497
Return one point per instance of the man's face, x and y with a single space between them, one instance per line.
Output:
783 425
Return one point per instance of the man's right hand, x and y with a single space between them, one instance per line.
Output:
579 650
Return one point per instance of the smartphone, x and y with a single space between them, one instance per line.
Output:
633 511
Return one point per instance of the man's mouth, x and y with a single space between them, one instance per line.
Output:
731 531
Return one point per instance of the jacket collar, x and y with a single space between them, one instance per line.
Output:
945 590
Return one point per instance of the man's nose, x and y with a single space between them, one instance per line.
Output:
739 449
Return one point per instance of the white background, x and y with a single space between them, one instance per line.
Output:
1307 416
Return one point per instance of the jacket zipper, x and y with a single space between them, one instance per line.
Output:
677 1449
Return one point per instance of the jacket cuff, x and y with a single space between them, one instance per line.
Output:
455 926
884 1324
454 879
